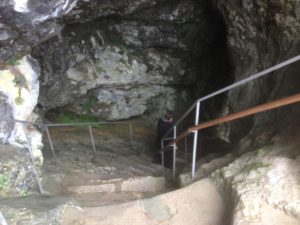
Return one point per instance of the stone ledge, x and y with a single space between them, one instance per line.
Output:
137 184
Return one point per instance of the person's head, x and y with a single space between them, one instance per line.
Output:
169 116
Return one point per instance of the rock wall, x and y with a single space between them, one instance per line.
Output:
115 48
27 23
123 80
120 61
261 33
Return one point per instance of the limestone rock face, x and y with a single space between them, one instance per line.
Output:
124 63
19 86
260 35
263 185
94 47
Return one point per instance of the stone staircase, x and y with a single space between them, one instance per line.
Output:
127 174
120 173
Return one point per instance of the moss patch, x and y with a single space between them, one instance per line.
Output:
89 103
70 117
4 181
253 166
12 61
19 100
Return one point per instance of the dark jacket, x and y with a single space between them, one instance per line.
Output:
163 126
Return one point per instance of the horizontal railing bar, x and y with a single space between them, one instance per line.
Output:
257 109
167 139
22 121
82 124
66 124
252 77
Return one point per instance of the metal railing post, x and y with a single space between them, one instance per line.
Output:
130 132
185 150
174 153
92 138
197 115
37 178
162 152
50 142
2 219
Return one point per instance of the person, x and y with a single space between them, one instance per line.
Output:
164 124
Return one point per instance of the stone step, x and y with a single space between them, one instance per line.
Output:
133 168
146 167
154 166
135 184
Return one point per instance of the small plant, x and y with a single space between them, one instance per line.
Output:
19 100
4 181
19 82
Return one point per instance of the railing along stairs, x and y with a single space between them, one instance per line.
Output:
175 138
167 141
45 127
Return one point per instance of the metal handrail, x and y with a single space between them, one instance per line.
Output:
234 116
84 124
234 85
197 104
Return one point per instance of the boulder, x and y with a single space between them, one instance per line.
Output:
262 182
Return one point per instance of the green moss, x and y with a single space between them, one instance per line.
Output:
99 69
12 61
20 82
70 117
17 82
89 103
19 100
4 181
20 141
253 166
24 193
